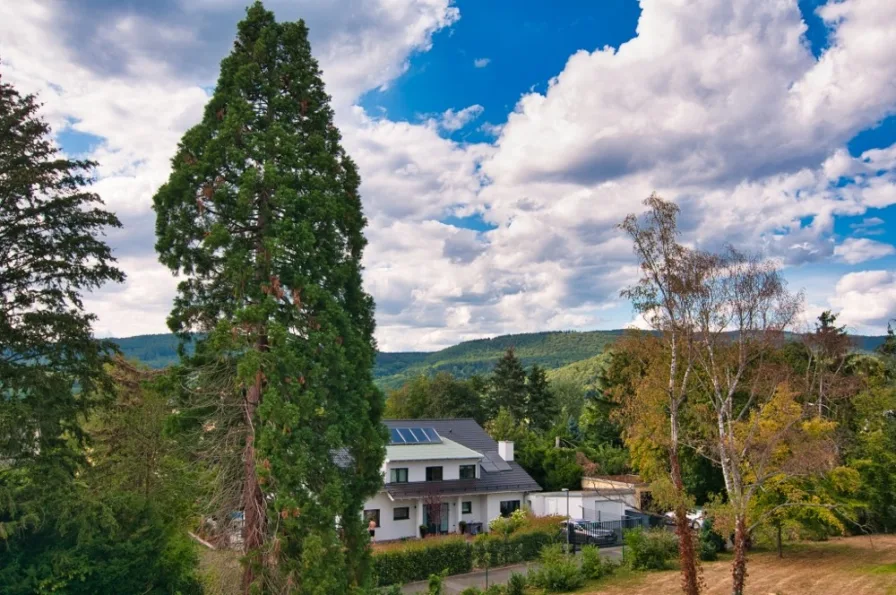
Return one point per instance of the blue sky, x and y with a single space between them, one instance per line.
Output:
501 141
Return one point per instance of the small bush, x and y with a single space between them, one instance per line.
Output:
509 524
649 550
711 543
409 561
471 591
495 590
559 571
593 566
435 583
516 585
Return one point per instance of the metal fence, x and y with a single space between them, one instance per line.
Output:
605 530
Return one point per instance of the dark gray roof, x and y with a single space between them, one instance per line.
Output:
470 434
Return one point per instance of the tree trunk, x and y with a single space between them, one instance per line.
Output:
690 578
780 549
254 508
254 514
739 568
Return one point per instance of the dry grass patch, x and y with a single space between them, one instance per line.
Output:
852 565
221 571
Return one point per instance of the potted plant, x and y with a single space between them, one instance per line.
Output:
423 531
462 527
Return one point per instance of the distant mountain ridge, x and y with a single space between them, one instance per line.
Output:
552 350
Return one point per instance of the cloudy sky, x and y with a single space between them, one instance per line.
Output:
501 141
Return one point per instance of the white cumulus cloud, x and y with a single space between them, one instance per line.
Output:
856 250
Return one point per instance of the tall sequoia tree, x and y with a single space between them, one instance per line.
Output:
51 368
262 217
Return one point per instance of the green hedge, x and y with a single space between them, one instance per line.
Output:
410 561
490 549
417 560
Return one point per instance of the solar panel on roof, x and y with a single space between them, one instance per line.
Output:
496 460
488 466
414 436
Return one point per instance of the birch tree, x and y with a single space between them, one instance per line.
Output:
664 297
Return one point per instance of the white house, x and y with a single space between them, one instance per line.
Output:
438 472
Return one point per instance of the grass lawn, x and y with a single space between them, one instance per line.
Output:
851 566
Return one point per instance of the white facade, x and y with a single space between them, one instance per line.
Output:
580 505
417 469
483 509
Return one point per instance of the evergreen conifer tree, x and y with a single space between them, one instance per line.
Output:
262 216
540 405
508 386
51 368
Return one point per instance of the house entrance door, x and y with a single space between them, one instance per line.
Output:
437 522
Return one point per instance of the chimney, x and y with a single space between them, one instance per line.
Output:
505 450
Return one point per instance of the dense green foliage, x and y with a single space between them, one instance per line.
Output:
262 218
649 549
417 560
439 396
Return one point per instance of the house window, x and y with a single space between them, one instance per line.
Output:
399 475
466 507
433 474
372 514
468 471
508 506
402 513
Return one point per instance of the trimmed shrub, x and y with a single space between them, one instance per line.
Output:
471 591
416 560
516 585
649 550
559 572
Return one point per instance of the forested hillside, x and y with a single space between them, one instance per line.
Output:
560 351
549 350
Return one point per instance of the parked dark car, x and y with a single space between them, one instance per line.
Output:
589 532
